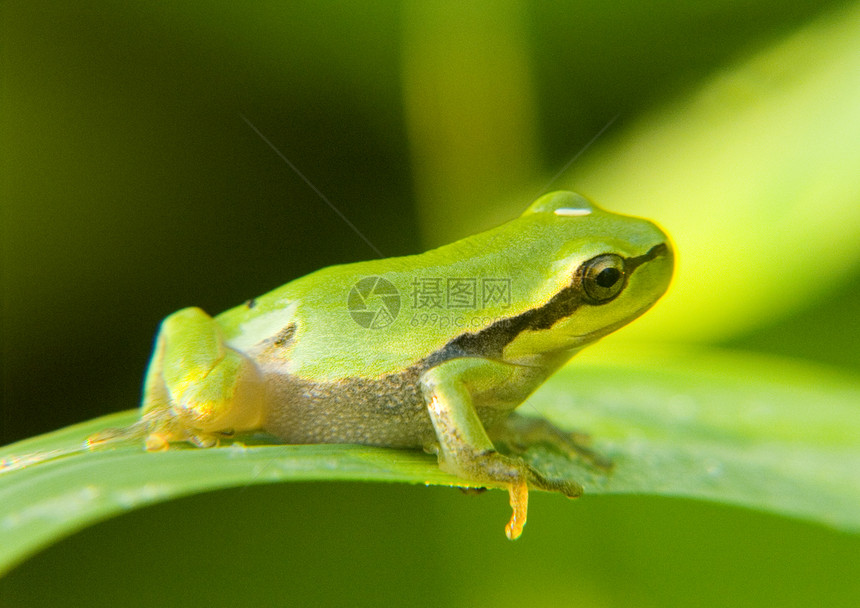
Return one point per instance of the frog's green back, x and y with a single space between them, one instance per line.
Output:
341 319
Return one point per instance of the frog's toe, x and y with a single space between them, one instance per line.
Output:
156 442
518 491
568 487
204 440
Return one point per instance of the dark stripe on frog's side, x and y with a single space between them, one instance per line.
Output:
285 336
283 339
492 340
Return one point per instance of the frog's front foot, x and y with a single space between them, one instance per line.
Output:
513 473
519 493
517 433
465 449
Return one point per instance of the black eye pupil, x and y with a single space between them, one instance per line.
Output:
607 277
602 278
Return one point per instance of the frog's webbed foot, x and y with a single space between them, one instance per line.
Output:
517 433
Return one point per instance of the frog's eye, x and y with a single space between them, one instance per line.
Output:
602 278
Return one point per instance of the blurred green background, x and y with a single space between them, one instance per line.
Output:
131 187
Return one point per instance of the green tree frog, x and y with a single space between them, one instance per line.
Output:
430 351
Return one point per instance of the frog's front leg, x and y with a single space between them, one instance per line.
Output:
197 388
465 448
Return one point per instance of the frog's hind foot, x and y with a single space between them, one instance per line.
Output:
517 433
114 435
157 430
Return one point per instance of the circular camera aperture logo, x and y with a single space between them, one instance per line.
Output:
374 302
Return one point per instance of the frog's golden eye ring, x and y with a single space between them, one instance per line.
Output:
602 278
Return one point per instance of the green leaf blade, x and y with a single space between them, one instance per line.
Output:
760 433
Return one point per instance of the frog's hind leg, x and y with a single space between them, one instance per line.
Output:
197 387
517 433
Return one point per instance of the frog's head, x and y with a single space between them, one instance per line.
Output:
600 271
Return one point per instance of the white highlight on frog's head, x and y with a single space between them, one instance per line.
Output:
568 211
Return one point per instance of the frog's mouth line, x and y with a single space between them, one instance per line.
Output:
631 264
